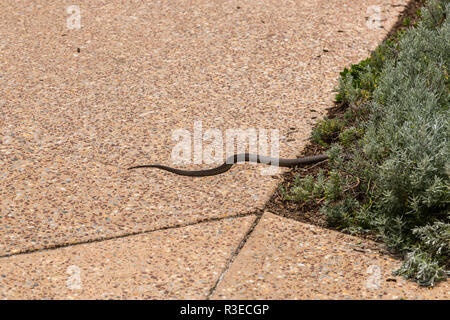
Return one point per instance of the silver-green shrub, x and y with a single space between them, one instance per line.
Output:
406 146
399 152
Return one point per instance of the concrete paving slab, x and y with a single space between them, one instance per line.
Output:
145 69
53 200
109 95
286 259
178 263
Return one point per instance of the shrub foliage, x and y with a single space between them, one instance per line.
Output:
389 156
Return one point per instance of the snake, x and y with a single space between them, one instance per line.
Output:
241 157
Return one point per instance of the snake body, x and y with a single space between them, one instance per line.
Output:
242 157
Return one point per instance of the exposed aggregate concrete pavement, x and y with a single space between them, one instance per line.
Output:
286 259
177 263
80 106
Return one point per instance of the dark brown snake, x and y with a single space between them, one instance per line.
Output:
243 157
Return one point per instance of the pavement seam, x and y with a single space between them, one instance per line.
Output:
120 236
236 252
